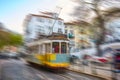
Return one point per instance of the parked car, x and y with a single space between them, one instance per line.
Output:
3 56
8 55
13 55
97 59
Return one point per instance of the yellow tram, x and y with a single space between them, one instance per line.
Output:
50 51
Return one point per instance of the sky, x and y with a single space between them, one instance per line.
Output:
13 12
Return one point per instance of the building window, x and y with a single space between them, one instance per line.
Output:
49 28
38 26
40 19
49 21
60 30
65 26
66 31
59 22
28 31
40 29
82 31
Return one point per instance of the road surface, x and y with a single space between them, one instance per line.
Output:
11 69
16 70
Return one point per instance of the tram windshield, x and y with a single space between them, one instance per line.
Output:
63 47
59 47
55 47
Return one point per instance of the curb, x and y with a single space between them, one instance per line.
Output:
78 71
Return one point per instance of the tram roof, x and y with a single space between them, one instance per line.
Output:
54 36
44 41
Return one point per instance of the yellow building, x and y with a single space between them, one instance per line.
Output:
79 34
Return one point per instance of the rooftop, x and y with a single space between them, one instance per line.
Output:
45 16
76 23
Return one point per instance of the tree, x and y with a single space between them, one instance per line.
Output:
4 38
9 38
100 15
15 39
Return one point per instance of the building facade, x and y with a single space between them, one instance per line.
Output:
78 35
70 31
44 23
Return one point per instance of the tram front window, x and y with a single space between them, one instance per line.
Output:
63 48
56 47
59 47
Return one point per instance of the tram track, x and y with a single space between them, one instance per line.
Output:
66 77
69 75
49 75
80 76
38 73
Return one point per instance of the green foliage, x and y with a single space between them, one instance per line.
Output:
7 38
15 39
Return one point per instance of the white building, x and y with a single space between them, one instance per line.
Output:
44 23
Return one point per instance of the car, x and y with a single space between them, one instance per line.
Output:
8 55
3 56
13 55
97 59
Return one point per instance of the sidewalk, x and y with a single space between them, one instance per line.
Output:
98 71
